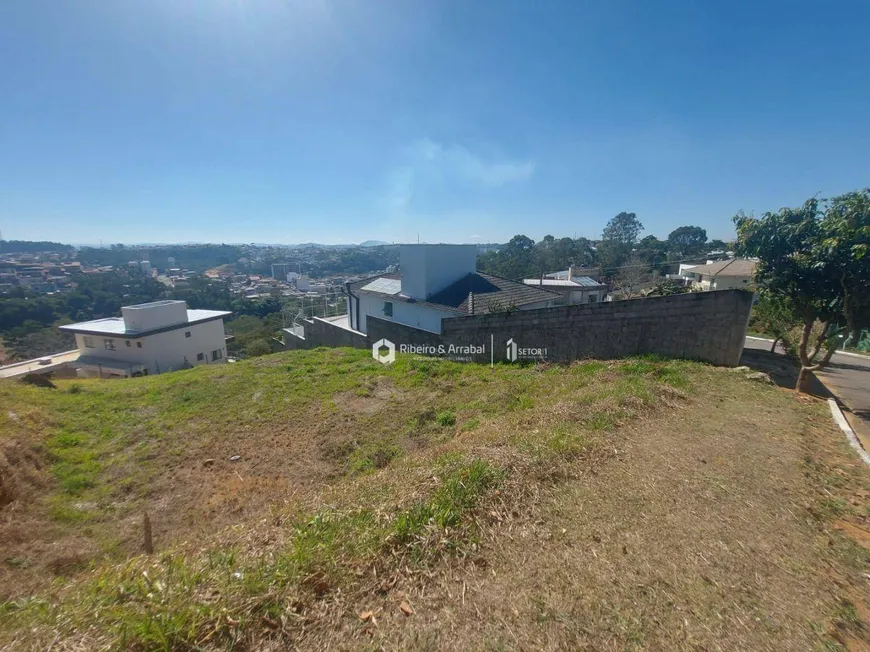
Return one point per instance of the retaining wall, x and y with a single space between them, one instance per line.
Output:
708 326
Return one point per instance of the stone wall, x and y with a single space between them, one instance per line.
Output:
708 326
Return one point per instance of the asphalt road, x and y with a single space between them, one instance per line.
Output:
848 377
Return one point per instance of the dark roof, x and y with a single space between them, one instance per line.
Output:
474 294
477 294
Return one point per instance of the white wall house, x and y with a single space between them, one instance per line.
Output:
437 282
427 318
720 275
149 338
574 288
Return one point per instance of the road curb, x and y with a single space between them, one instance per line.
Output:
847 429
846 353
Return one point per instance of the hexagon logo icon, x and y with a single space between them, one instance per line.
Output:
384 358
511 350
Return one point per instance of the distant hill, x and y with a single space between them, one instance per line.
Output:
373 243
29 247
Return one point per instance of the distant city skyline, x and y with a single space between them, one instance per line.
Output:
336 122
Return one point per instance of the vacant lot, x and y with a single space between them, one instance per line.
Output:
639 504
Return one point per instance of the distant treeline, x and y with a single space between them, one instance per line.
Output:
195 257
312 261
30 247
28 321
619 247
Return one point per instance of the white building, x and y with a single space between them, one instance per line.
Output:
280 270
721 274
574 288
149 338
437 281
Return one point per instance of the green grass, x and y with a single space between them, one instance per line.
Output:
109 443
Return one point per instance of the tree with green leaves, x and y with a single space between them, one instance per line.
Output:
618 239
686 242
653 252
793 267
773 314
845 247
623 229
257 348
583 253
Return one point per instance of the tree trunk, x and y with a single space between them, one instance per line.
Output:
802 376
802 353
819 342
832 348
804 341
773 346
849 314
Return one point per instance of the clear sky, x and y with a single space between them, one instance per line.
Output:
452 120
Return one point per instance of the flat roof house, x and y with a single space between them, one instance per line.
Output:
574 288
149 338
438 281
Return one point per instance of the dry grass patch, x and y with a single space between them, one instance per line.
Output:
642 504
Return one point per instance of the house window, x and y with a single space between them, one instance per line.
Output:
187 333
138 345
109 344
89 342
127 342
593 298
388 308
217 354
200 357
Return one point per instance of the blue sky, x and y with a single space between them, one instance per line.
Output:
448 120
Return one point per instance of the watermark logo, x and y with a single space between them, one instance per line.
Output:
384 358
511 350
515 352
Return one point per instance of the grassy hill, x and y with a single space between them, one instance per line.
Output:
320 499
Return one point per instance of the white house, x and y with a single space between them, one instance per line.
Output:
721 274
149 338
437 281
574 288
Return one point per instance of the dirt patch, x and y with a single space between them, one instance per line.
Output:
370 399
697 536
860 534
21 471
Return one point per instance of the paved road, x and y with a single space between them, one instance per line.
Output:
848 377
40 365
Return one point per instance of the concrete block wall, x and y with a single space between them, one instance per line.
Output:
400 334
708 326
319 332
